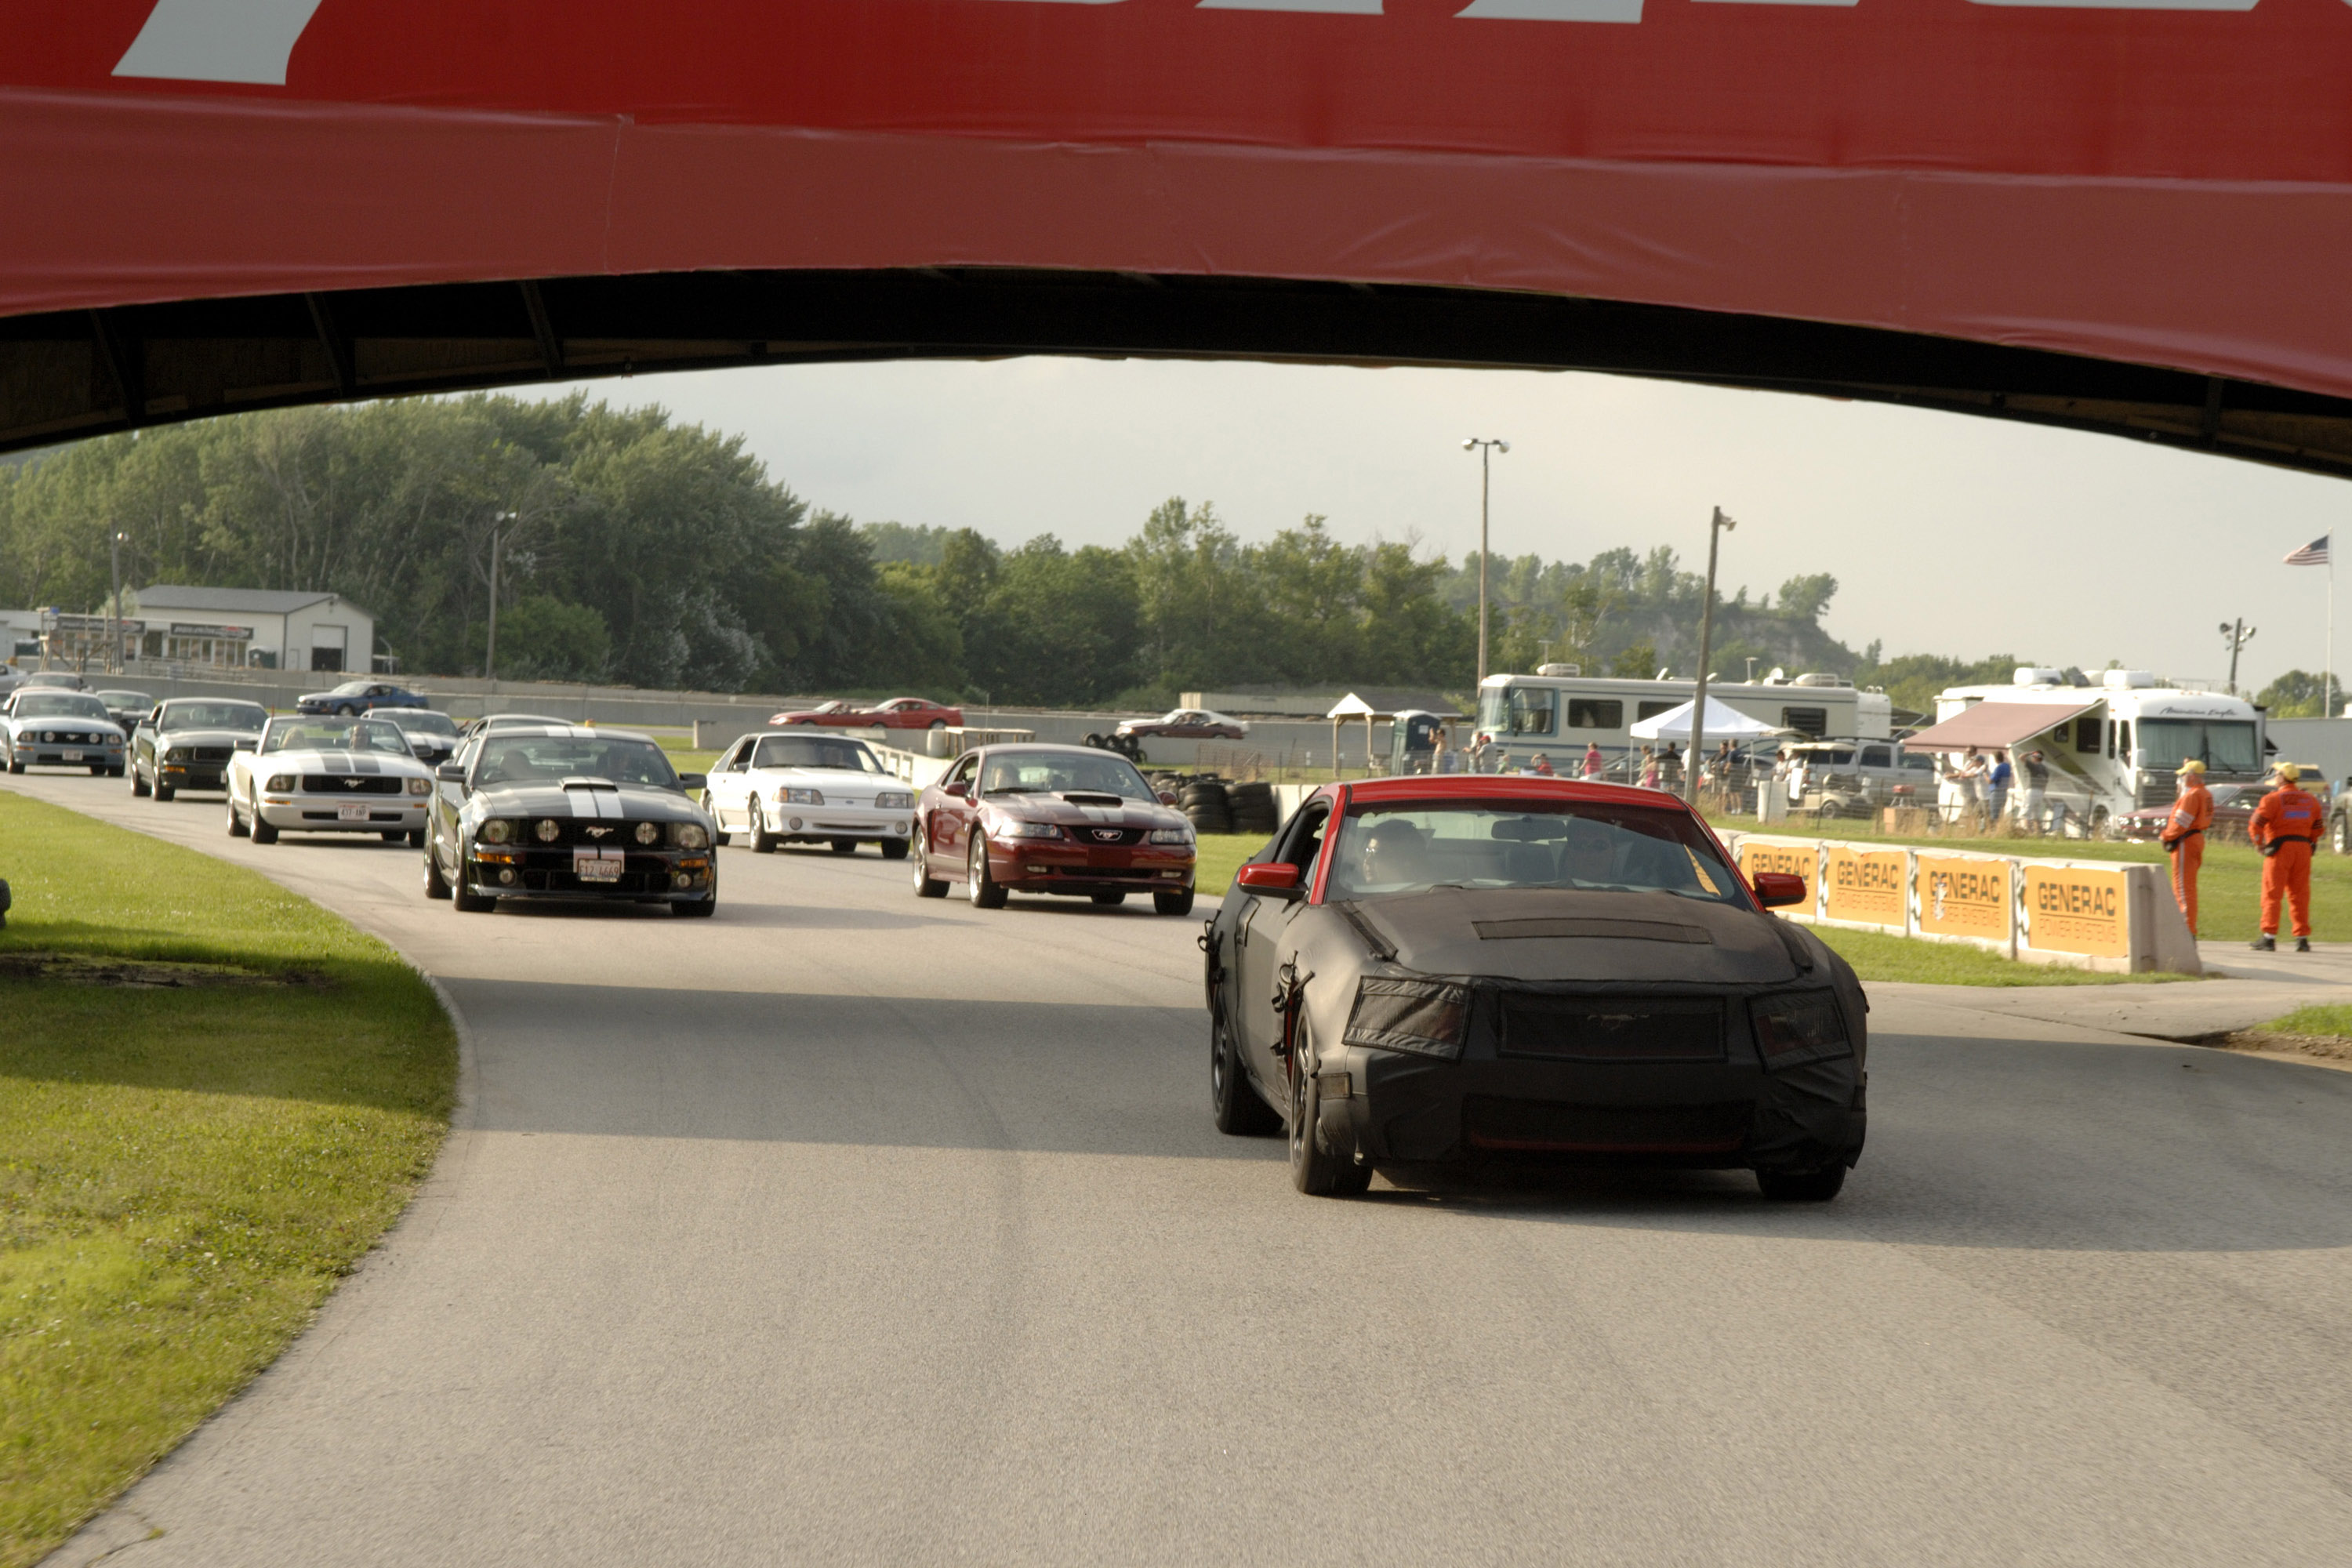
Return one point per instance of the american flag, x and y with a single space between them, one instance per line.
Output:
2311 554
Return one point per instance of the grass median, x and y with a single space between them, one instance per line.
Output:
216 1097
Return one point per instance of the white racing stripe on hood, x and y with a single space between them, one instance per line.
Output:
604 804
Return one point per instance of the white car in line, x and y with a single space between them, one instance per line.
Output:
808 787
314 774
41 726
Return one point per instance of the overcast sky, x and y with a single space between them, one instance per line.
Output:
1948 534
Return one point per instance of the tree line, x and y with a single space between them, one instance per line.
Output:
636 550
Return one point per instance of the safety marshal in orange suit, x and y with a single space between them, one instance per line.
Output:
2184 836
2284 827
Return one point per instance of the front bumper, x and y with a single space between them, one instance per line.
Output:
41 754
819 823
385 813
650 875
1059 866
193 775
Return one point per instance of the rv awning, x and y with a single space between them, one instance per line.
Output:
1991 725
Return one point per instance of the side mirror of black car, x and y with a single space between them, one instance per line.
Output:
1774 888
1271 879
450 773
692 782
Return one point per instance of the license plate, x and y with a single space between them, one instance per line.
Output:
350 814
71 756
597 865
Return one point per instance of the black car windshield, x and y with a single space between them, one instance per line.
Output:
1061 773
814 751
543 759
1410 846
60 705
418 720
334 735
198 715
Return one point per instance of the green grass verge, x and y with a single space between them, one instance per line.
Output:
1873 954
2229 885
2331 1018
185 1173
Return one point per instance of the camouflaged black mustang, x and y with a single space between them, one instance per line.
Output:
1456 970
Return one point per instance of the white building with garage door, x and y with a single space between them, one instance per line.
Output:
260 629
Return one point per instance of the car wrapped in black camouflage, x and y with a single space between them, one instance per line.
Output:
1464 971
568 814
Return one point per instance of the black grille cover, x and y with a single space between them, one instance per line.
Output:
354 784
1613 1028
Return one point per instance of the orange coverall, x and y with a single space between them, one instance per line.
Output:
2184 836
2284 827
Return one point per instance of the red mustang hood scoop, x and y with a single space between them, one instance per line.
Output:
1546 934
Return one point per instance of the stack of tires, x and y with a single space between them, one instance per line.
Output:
1206 806
1251 808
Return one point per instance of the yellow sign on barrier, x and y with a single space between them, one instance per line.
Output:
1795 859
1866 887
1962 895
2076 908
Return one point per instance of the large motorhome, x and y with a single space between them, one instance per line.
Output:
2115 745
1559 712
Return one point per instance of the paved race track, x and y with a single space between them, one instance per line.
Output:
850 1228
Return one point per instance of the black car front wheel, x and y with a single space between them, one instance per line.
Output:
437 886
463 898
165 792
1239 1110
137 783
1316 1170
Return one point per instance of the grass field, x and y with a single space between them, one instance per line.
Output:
189 1166
2335 1019
2228 889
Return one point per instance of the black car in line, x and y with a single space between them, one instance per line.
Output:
568 814
1464 971
186 744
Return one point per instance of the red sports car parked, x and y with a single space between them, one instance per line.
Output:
898 713
1051 819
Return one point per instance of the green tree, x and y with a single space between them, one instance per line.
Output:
2301 694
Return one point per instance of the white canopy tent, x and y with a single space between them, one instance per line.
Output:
1722 724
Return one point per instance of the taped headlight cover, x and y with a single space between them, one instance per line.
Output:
1429 1018
1800 1027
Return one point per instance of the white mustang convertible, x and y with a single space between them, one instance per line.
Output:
318 775
809 788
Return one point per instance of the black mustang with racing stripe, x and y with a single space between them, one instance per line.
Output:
555 812
1462 971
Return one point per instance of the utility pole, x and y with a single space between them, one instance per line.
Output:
1715 529
2237 635
490 654
114 605
1487 447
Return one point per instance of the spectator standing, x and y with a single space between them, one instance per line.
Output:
1593 761
1442 759
2037 790
1997 784
1670 766
1649 767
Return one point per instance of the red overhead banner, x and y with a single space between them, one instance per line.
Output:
2164 183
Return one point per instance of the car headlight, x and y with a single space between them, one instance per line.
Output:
1172 836
497 830
1430 1018
280 784
692 835
1800 1027
647 831
175 755
420 786
894 799
1027 830
549 830
800 797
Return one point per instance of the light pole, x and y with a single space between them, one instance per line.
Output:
114 605
1720 525
490 653
2237 633
1487 446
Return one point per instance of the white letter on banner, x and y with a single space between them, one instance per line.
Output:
2127 5
218 40
1331 7
1554 11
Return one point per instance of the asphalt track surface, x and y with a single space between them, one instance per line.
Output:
852 1228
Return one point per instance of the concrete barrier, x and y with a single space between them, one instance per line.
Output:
2116 917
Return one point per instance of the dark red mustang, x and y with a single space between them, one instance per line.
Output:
1064 820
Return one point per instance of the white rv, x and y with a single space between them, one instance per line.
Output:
1558 712
2110 747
